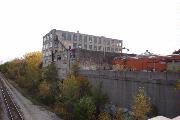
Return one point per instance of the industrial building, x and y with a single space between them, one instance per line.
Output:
145 62
58 47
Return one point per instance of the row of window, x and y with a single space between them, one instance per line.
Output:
48 37
97 40
99 48
47 46
46 53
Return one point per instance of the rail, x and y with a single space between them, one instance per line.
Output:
11 107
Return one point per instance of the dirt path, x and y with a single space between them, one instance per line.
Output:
30 111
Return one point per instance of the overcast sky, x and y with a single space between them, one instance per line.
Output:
141 24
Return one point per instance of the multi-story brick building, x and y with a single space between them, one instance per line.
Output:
57 45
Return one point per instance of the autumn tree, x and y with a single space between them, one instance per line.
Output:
104 116
25 71
99 98
141 105
44 89
119 115
32 74
50 73
69 93
85 109
75 69
45 95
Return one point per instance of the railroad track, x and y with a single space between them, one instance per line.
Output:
12 109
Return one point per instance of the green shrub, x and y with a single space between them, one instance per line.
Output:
85 109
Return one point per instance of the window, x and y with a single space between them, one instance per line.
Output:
108 49
64 36
116 49
85 39
74 45
108 42
79 46
112 41
47 46
99 41
119 44
55 44
46 53
58 57
112 49
116 43
104 42
99 47
51 35
69 37
47 37
75 37
44 39
85 46
80 38
90 39
95 48
50 44
90 47
95 40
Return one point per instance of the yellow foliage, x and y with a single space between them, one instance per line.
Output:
118 67
141 105
44 89
104 116
119 115
32 61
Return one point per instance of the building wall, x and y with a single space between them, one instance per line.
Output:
173 66
52 40
88 60
89 42
122 86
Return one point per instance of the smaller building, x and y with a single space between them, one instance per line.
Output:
148 63
86 59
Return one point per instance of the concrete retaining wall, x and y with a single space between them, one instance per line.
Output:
122 86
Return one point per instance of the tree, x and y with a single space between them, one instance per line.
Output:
99 98
69 93
25 71
104 116
50 73
141 105
45 94
84 85
75 69
44 89
85 109
32 73
119 115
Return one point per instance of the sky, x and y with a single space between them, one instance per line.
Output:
152 25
